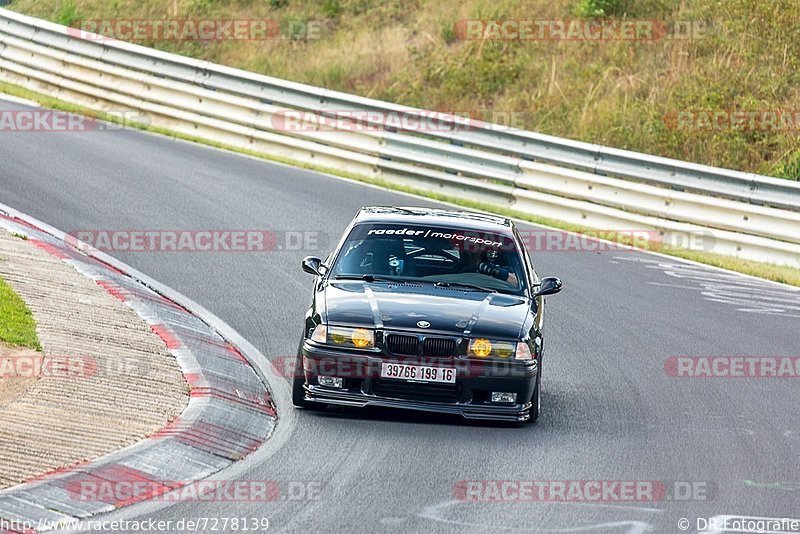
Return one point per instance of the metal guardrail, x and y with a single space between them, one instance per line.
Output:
746 215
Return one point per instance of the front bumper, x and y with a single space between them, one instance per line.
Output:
469 397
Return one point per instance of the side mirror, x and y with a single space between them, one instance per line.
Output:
312 265
549 286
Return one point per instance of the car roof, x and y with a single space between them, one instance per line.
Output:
467 220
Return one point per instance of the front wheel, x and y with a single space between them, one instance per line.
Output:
298 391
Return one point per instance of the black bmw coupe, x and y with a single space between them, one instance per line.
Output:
425 309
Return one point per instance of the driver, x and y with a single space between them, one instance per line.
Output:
486 263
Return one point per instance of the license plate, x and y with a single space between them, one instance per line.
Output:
418 373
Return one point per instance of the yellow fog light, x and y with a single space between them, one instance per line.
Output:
362 338
481 348
357 338
484 348
338 337
504 350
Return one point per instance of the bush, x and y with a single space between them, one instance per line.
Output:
596 9
68 13
331 8
789 168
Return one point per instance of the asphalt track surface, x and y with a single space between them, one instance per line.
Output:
610 411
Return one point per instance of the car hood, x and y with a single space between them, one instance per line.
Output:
449 311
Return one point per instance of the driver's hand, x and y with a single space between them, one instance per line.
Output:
495 271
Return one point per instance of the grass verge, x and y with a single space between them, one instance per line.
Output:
776 273
17 327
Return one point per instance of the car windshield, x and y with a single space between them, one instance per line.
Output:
473 259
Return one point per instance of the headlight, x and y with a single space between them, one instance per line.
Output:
358 338
483 348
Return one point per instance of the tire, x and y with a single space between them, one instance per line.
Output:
298 392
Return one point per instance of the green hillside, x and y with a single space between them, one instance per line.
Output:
740 56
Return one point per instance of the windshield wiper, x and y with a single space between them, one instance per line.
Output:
466 286
374 278
366 278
